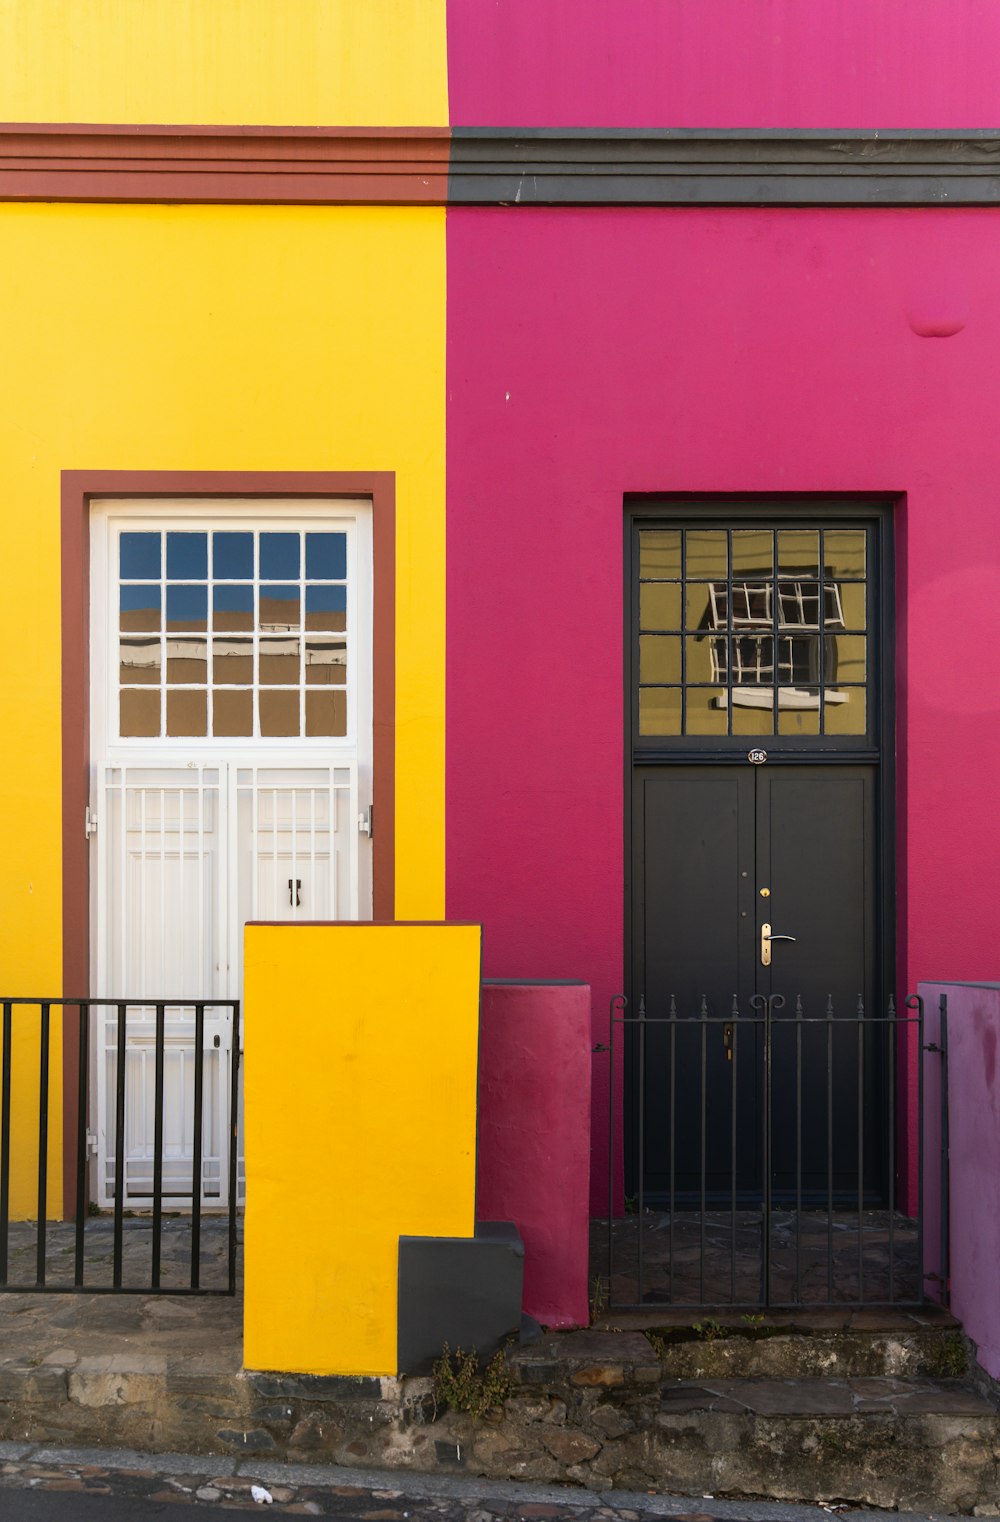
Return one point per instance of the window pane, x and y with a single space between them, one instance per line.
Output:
753 552
139 713
659 658
139 661
187 661
849 659
279 557
326 557
705 605
139 557
707 658
232 713
326 608
232 662
798 552
326 713
852 604
232 607
187 608
232 557
187 557
660 552
798 721
844 551
140 608
660 605
187 712
849 715
326 663
279 608
706 552
279 662
752 721
279 712
660 711
704 716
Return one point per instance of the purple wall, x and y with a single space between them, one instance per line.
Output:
974 1136
706 351
724 63
534 1137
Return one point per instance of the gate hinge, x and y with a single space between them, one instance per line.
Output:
89 823
91 1143
366 822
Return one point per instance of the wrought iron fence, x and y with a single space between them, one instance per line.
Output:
131 1258
774 1157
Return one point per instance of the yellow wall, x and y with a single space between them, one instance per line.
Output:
360 1099
264 62
211 338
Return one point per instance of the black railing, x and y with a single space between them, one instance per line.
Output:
131 1257
773 1157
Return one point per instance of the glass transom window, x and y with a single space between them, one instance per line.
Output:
233 633
753 631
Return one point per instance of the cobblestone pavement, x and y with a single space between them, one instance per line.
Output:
160 1485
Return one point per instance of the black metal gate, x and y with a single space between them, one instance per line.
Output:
130 1253
825 1208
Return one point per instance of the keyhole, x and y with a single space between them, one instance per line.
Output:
295 891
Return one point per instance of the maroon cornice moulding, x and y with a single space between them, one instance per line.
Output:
334 166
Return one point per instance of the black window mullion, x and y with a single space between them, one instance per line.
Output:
728 635
775 626
684 632
821 621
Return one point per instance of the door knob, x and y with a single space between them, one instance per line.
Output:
766 937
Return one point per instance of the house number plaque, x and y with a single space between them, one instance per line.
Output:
756 757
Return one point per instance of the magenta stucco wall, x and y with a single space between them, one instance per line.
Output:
974 1147
724 63
593 353
534 1137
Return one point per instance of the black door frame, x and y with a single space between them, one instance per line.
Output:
876 510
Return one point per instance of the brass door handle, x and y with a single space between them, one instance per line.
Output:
766 937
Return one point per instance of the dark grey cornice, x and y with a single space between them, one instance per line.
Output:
713 167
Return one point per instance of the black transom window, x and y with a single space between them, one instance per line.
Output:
753 631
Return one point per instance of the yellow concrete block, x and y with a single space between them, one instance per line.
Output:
362 1046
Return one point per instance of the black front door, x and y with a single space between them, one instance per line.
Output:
756 908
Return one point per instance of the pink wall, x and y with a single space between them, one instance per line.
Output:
705 351
724 63
974 1138
534 1137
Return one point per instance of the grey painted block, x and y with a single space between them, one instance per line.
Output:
463 1291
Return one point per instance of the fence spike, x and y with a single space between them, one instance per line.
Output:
829 1006
703 1011
861 1008
736 1006
892 1007
673 1008
642 1006
798 1006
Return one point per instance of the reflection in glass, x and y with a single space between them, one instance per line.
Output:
660 605
232 557
660 711
279 712
753 552
326 557
706 553
660 552
699 609
326 713
139 713
659 658
139 661
279 662
852 604
232 607
326 608
844 552
849 658
752 721
706 658
140 608
187 557
798 721
139 557
232 713
850 715
326 663
187 607
279 557
187 712
187 661
232 662
798 552
279 608
703 716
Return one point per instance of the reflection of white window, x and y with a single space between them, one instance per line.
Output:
751 653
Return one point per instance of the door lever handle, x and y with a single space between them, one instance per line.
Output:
766 937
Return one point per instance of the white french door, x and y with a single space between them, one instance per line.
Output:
223 628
